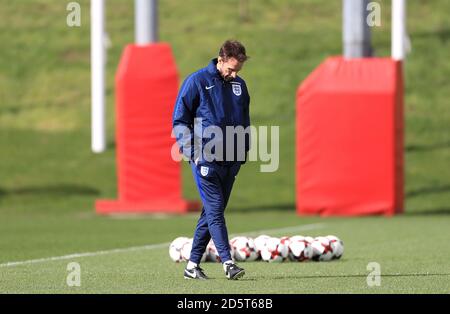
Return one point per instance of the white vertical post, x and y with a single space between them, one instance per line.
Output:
146 21
98 138
398 31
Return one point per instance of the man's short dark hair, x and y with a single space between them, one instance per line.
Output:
233 49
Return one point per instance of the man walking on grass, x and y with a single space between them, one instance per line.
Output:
214 100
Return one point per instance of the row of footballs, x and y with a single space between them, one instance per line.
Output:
270 249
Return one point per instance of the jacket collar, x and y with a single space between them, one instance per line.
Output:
212 68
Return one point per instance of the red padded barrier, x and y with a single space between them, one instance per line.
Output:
349 141
149 180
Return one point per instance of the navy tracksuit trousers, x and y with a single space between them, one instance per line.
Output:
214 183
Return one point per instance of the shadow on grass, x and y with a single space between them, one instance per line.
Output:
442 34
291 207
54 190
430 212
111 144
428 190
412 148
275 207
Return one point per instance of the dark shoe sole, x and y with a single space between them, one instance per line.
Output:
238 275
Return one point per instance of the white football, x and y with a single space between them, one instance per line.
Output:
232 250
275 251
212 255
300 249
322 250
244 249
186 251
285 241
337 245
260 243
175 248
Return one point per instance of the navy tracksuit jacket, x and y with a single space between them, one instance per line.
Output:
206 95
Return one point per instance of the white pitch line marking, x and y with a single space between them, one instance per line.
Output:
152 246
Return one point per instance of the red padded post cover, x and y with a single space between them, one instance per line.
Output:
349 141
149 180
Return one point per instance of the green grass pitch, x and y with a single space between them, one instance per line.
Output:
49 179
408 262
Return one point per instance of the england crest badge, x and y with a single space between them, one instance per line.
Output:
236 89
204 171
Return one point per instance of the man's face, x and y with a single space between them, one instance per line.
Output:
229 68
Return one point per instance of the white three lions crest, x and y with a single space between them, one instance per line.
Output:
204 171
237 89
